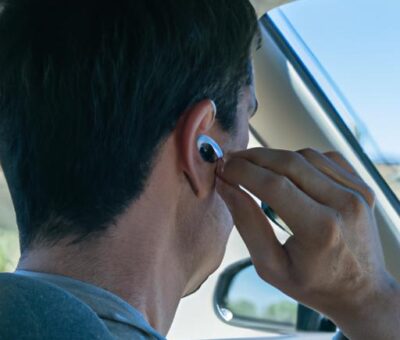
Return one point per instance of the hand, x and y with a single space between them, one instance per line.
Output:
334 261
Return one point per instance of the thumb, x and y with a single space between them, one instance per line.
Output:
268 255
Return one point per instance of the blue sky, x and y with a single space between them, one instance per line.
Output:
250 287
358 43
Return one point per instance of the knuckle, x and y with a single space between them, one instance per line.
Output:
334 155
292 161
331 227
308 152
369 195
279 183
353 203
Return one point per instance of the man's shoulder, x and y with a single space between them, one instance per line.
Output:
35 309
121 319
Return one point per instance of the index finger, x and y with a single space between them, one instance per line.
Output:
304 174
306 217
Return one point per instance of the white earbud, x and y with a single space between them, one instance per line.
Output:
209 149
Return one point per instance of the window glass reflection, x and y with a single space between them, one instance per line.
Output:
251 297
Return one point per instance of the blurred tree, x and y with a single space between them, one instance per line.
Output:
9 250
243 308
284 311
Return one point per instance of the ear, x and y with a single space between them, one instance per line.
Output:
197 120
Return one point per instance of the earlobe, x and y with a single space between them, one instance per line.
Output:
198 121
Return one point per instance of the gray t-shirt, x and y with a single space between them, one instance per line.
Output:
122 320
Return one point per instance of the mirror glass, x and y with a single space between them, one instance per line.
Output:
252 298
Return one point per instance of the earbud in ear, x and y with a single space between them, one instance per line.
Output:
209 149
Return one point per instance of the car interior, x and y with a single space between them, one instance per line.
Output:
295 112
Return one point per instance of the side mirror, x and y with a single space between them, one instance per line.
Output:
243 299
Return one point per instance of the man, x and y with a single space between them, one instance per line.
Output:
101 106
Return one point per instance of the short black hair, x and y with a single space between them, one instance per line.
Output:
89 89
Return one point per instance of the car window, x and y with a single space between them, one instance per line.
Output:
351 49
9 246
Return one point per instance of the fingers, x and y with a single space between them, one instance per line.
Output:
337 168
330 253
341 161
293 205
314 173
295 167
253 226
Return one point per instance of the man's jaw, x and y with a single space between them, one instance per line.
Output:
198 286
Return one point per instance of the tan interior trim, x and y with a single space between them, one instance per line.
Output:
263 6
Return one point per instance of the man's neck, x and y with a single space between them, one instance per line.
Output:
142 272
139 258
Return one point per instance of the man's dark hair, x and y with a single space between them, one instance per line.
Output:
90 89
